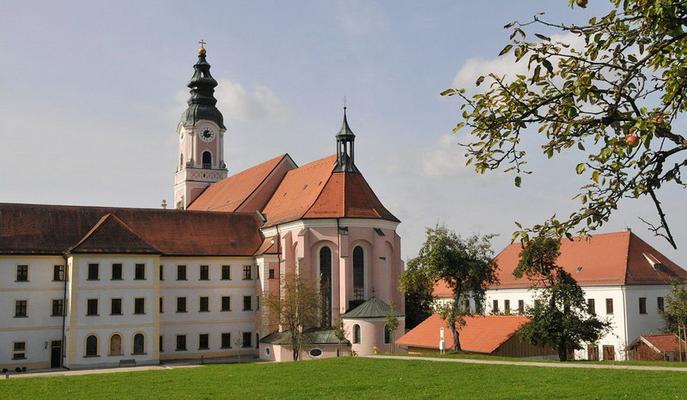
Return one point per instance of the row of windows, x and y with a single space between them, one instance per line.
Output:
356 334
23 273
139 272
138 344
591 305
92 305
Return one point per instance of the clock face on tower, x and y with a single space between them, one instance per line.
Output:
207 134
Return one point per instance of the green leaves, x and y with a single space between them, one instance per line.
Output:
518 181
506 49
580 168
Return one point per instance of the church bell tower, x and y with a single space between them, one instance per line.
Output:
200 134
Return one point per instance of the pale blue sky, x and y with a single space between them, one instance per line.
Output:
90 94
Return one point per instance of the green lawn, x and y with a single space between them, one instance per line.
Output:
356 378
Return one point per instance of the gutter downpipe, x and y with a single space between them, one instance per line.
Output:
622 288
64 311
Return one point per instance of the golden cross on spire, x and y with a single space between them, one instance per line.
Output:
201 49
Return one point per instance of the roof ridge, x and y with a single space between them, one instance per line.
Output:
627 257
102 222
255 189
319 194
133 232
90 232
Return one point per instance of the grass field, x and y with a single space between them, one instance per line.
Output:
356 378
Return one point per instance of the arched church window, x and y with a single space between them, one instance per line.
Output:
91 346
356 334
207 160
358 273
387 334
326 285
139 344
115 345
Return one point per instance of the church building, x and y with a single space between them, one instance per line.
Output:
85 287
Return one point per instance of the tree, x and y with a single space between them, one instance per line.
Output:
616 98
417 286
340 334
675 313
391 324
560 317
465 265
296 308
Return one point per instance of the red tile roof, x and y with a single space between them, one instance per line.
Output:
269 246
481 334
316 191
51 229
230 193
665 343
602 259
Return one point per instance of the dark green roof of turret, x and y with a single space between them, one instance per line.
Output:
373 308
201 105
315 336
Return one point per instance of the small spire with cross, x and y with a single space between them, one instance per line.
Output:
201 49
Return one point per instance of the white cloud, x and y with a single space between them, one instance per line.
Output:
504 65
445 159
238 104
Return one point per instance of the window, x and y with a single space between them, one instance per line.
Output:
162 272
161 346
181 342
139 344
521 306
22 273
506 306
247 339
92 307
20 308
115 345
325 285
92 346
247 272
203 341
181 304
226 272
247 306
257 340
139 305
204 304
591 306
660 304
609 306
226 340
358 273
181 272
495 306
116 307
57 308
642 305
271 275
226 303
207 160
356 334
162 305
204 273
58 273
19 350
116 272
92 272
313 352
387 335
140 272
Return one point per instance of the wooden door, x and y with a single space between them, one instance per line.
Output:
592 352
56 354
609 353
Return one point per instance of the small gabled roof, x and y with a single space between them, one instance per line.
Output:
270 245
314 336
662 343
112 235
481 334
230 193
373 308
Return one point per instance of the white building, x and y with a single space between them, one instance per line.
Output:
624 279
102 286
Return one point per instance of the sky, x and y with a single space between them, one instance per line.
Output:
91 93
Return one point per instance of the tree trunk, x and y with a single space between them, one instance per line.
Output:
456 340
